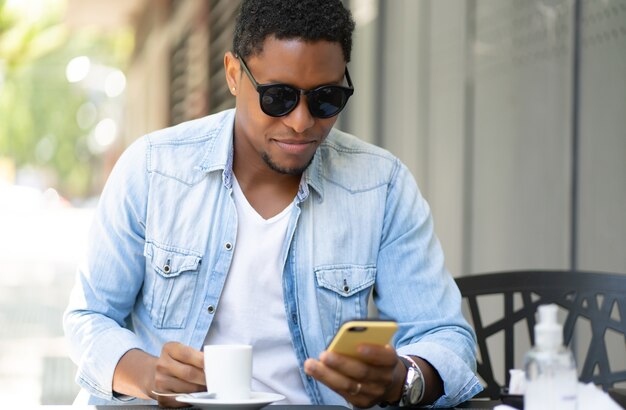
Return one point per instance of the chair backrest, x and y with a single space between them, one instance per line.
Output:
598 299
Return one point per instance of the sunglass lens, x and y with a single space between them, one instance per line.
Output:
278 100
327 101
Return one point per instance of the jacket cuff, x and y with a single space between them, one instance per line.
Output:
459 380
95 370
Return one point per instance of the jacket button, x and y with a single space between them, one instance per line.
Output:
346 288
211 309
228 246
166 269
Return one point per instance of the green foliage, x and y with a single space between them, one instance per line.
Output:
38 106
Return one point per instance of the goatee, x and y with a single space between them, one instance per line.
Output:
287 171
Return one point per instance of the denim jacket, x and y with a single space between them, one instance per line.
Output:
162 243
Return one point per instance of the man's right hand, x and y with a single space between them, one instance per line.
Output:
179 369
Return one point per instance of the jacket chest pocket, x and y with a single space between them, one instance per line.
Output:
170 284
342 294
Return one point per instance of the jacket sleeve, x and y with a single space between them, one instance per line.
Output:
110 277
414 288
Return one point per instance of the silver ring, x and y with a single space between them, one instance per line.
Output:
356 390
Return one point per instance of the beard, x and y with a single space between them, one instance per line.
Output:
282 170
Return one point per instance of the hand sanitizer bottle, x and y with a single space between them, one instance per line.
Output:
551 378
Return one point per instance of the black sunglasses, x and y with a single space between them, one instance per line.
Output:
278 99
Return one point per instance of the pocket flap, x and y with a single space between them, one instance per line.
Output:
346 280
169 261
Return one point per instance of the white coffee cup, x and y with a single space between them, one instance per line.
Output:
228 371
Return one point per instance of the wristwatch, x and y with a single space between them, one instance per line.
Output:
413 389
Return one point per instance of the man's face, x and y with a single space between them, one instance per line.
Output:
283 144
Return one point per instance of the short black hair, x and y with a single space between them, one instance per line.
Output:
309 20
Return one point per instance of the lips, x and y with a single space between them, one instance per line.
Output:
294 147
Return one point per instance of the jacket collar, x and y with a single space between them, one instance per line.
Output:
219 156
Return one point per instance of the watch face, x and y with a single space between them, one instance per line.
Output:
416 389
413 385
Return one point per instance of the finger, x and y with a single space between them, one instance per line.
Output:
330 377
178 377
377 355
185 354
181 362
360 393
350 367
339 381
165 383
358 369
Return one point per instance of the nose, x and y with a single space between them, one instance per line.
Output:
300 119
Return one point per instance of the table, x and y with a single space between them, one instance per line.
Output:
474 404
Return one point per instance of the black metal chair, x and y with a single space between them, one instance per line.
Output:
597 299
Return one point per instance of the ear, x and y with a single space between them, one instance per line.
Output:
232 70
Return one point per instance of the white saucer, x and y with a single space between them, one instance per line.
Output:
256 401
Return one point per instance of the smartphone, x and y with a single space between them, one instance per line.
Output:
354 332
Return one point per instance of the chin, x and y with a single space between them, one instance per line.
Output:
287 169
294 171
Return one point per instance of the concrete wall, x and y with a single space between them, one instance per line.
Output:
478 98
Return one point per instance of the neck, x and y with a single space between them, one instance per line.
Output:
267 191
254 175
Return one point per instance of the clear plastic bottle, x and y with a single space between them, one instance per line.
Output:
551 378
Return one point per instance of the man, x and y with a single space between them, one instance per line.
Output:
264 225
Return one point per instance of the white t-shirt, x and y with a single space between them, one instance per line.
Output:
251 309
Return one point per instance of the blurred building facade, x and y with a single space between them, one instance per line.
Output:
177 71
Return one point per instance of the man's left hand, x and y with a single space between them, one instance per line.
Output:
376 376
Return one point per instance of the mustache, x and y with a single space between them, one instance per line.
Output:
293 136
